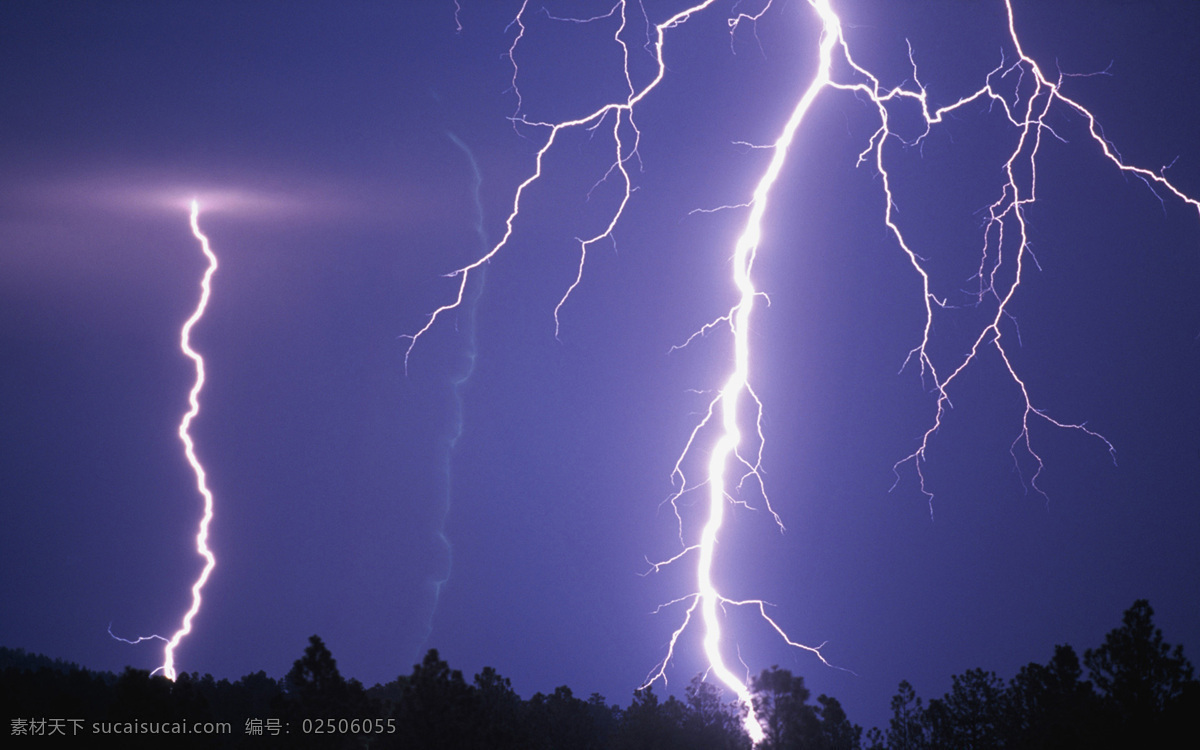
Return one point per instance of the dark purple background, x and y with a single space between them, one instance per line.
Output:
317 136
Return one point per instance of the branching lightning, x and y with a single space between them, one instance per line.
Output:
189 449
1025 96
1026 111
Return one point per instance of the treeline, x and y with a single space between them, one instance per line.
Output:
434 707
1139 693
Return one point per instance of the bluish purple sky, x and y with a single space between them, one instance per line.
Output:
317 136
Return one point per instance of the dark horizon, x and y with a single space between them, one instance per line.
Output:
1133 688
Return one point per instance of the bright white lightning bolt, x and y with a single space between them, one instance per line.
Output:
727 403
1025 110
189 449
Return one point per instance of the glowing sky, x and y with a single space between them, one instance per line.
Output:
317 139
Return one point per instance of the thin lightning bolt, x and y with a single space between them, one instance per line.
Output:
202 486
189 449
1027 111
1018 89
459 380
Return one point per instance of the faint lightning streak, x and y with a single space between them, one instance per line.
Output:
459 379
210 561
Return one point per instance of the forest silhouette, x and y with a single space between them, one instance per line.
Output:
1139 692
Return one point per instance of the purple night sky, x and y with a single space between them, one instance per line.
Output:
322 140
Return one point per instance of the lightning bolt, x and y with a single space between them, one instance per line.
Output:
459 380
1018 89
189 450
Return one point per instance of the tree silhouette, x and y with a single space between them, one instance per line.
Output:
781 701
1142 680
650 725
1139 673
972 715
836 731
315 675
906 730
499 709
316 690
1050 706
562 720
711 722
437 709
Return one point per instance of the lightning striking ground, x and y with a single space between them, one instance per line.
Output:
189 450
1019 89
